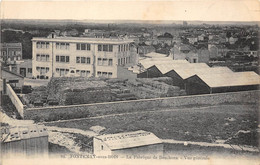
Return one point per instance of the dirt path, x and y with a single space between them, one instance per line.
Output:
228 146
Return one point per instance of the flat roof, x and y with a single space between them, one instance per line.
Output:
84 40
230 79
129 139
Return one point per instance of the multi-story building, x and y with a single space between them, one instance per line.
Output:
77 56
10 52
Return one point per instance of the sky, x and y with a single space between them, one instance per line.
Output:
202 10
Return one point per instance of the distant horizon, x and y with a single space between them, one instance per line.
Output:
137 21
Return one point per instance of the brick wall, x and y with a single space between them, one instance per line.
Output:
89 110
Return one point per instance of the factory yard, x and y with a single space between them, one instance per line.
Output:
227 124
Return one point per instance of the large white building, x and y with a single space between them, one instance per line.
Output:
77 56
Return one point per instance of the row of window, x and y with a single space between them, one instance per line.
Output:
105 61
122 61
62 58
42 57
42 70
11 53
83 73
83 46
105 74
105 48
62 71
43 45
62 46
123 48
83 60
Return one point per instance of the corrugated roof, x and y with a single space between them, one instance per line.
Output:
230 79
129 139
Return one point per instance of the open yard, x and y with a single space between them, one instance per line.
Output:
230 123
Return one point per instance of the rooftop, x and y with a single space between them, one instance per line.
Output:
10 44
230 79
23 132
129 139
85 40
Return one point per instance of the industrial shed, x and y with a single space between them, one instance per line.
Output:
179 74
129 143
223 82
24 141
152 68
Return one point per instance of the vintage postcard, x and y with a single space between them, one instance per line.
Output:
130 82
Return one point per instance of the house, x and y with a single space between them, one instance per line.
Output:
128 143
10 52
88 57
217 50
24 68
12 77
143 49
189 53
24 140
166 38
207 83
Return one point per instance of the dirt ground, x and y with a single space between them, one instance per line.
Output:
234 124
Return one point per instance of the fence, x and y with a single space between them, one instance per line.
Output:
89 110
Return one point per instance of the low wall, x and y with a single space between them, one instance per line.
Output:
89 110
15 100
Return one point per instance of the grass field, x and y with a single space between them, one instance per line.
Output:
205 124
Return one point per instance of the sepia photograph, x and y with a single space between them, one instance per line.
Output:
130 82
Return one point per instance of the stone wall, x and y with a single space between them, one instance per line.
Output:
90 110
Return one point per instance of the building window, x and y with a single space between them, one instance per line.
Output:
104 74
105 61
57 58
77 59
105 48
42 57
78 46
38 57
110 62
99 61
81 46
110 48
62 58
83 59
42 70
29 70
109 74
99 74
62 45
88 60
42 45
99 47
